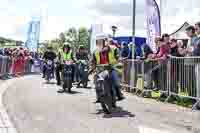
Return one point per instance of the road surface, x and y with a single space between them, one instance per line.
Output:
36 107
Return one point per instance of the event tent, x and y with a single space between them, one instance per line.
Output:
138 40
180 32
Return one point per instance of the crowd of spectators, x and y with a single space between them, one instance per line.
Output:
168 47
15 61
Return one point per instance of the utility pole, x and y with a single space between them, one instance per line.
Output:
132 75
133 29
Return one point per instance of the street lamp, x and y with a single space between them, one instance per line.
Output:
114 29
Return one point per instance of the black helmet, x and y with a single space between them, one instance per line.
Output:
81 47
66 45
49 48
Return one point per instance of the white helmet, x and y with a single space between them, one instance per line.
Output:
101 36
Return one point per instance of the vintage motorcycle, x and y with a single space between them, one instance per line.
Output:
104 89
49 70
67 76
83 69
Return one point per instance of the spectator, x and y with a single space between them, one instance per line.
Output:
163 50
190 31
177 48
125 51
166 38
147 51
160 74
189 63
197 28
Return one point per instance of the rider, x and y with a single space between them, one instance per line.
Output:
104 54
65 54
81 55
114 52
48 55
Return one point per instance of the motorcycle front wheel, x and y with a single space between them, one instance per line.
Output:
67 84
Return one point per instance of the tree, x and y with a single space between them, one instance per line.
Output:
72 37
62 38
83 37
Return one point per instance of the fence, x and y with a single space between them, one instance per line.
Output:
176 76
14 66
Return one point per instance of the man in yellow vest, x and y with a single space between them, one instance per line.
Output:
114 57
65 54
104 54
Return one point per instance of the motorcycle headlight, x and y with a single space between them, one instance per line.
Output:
49 62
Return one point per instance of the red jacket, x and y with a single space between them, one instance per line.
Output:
164 51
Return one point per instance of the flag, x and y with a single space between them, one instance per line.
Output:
33 36
152 22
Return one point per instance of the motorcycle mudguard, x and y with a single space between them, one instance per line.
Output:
67 77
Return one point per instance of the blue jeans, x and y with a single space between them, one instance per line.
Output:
116 84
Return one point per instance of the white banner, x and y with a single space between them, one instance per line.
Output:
153 22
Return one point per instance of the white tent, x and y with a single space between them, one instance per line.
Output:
180 32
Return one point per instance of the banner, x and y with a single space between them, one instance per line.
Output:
153 22
95 29
33 36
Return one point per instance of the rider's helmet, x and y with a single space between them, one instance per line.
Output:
49 48
66 45
81 47
101 40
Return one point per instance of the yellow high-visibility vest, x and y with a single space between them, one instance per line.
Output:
67 56
111 57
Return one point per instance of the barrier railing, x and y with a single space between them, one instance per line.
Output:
176 76
185 77
14 66
145 75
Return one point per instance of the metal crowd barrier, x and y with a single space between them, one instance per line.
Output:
175 76
145 76
185 77
14 66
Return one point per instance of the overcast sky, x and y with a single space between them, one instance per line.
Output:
58 15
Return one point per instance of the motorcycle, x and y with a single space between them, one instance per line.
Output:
103 86
49 70
83 73
67 76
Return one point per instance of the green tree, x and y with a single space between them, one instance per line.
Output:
83 37
72 37
62 38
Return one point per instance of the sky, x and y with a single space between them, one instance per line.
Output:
58 15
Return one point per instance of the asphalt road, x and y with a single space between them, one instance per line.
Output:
36 107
